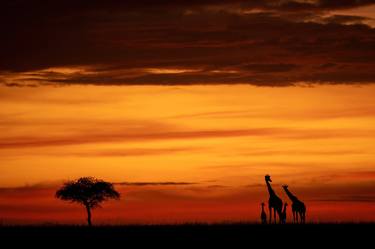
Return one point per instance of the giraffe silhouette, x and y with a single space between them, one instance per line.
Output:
283 214
274 202
263 215
298 207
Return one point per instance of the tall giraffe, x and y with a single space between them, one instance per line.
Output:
274 202
298 207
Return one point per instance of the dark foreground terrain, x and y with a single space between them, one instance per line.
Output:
195 235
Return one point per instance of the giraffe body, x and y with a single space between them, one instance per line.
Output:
275 204
298 207
283 214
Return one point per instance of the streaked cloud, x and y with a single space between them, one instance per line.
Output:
263 43
9 142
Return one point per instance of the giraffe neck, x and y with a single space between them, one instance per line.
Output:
270 190
290 195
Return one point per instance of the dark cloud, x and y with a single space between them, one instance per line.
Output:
265 43
256 185
217 186
50 186
161 133
345 19
36 186
317 5
135 152
342 4
155 134
348 199
269 68
326 66
153 183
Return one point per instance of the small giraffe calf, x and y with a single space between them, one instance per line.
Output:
263 215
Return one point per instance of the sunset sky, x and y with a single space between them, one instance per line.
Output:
185 106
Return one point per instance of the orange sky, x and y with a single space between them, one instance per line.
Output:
213 144
185 106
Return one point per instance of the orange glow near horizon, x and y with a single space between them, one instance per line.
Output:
220 140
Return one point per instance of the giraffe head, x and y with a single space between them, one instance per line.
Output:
268 178
285 187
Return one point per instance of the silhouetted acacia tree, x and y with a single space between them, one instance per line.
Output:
87 191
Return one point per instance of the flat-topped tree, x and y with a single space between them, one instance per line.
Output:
89 192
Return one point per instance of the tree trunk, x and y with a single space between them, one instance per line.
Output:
88 209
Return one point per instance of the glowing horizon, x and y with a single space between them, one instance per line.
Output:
219 140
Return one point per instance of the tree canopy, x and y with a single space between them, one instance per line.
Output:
87 191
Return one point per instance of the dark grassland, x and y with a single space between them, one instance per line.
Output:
190 235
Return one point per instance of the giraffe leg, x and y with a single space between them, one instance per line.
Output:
297 213
303 217
270 210
294 216
274 215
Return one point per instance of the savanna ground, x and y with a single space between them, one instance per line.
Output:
236 235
